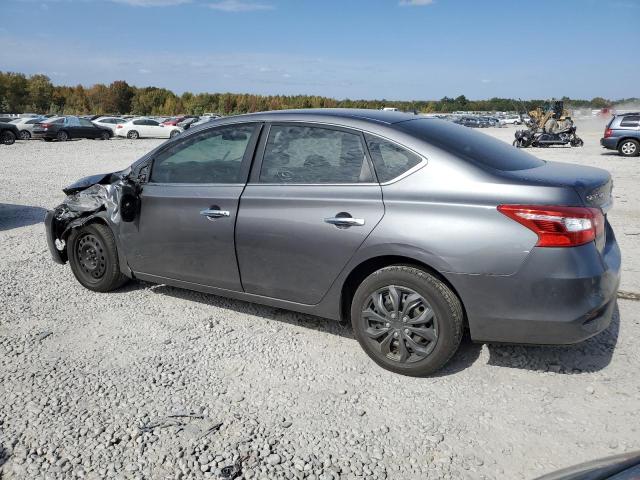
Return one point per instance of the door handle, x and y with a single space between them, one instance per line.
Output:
211 214
345 221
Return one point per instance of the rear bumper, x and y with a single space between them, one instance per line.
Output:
610 142
559 296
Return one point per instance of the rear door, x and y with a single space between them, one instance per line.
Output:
185 229
310 203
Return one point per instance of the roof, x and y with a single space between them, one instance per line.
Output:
377 116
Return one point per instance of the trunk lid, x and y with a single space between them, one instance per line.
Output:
593 185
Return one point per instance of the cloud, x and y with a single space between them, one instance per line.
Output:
152 3
239 6
415 3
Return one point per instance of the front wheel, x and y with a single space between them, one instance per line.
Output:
519 143
577 142
629 148
7 138
174 133
105 136
407 320
93 257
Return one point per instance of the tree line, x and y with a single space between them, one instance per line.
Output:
20 93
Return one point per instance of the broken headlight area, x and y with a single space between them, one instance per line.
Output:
115 202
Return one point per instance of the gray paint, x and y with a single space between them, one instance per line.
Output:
275 247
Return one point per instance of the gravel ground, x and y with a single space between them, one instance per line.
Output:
158 382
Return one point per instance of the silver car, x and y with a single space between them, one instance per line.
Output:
25 126
412 229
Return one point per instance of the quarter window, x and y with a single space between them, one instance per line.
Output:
630 121
389 159
85 123
214 156
301 154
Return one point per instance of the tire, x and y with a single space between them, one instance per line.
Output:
105 135
133 135
629 148
7 137
174 133
577 142
62 136
93 257
25 135
382 333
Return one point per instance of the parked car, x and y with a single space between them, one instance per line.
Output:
623 134
187 122
68 128
469 122
6 119
173 121
411 228
512 120
625 466
8 133
109 122
25 126
146 128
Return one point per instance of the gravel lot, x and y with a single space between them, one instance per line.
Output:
158 382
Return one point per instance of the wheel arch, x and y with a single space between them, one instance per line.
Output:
370 265
624 139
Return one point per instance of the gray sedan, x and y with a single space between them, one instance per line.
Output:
412 229
25 126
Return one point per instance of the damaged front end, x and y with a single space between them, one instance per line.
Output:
112 198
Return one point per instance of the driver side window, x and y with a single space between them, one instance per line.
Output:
213 156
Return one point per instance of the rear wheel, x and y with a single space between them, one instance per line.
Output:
62 136
93 257
133 135
407 320
174 133
7 138
25 135
629 148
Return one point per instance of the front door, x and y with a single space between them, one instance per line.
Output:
185 230
307 209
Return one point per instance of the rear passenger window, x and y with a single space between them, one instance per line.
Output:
630 121
213 156
299 154
389 159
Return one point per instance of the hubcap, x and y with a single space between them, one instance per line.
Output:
91 256
629 148
400 323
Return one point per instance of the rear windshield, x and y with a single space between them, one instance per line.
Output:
470 145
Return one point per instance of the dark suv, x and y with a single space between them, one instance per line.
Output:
623 134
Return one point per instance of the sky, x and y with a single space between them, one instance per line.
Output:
384 49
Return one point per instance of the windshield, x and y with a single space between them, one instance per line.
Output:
465 143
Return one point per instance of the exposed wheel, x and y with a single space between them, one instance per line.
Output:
407 320
577 142
133 135
62 136
105 135
7 138
25 135
174 133
93 257
629 148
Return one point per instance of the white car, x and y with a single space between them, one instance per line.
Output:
25 125
146 128
109 122
512 120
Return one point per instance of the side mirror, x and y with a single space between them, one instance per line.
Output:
129 203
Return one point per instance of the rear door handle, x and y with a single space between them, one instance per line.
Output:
211 214
345 221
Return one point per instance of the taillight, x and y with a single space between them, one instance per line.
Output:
608 133
45 125
558 226
119 126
